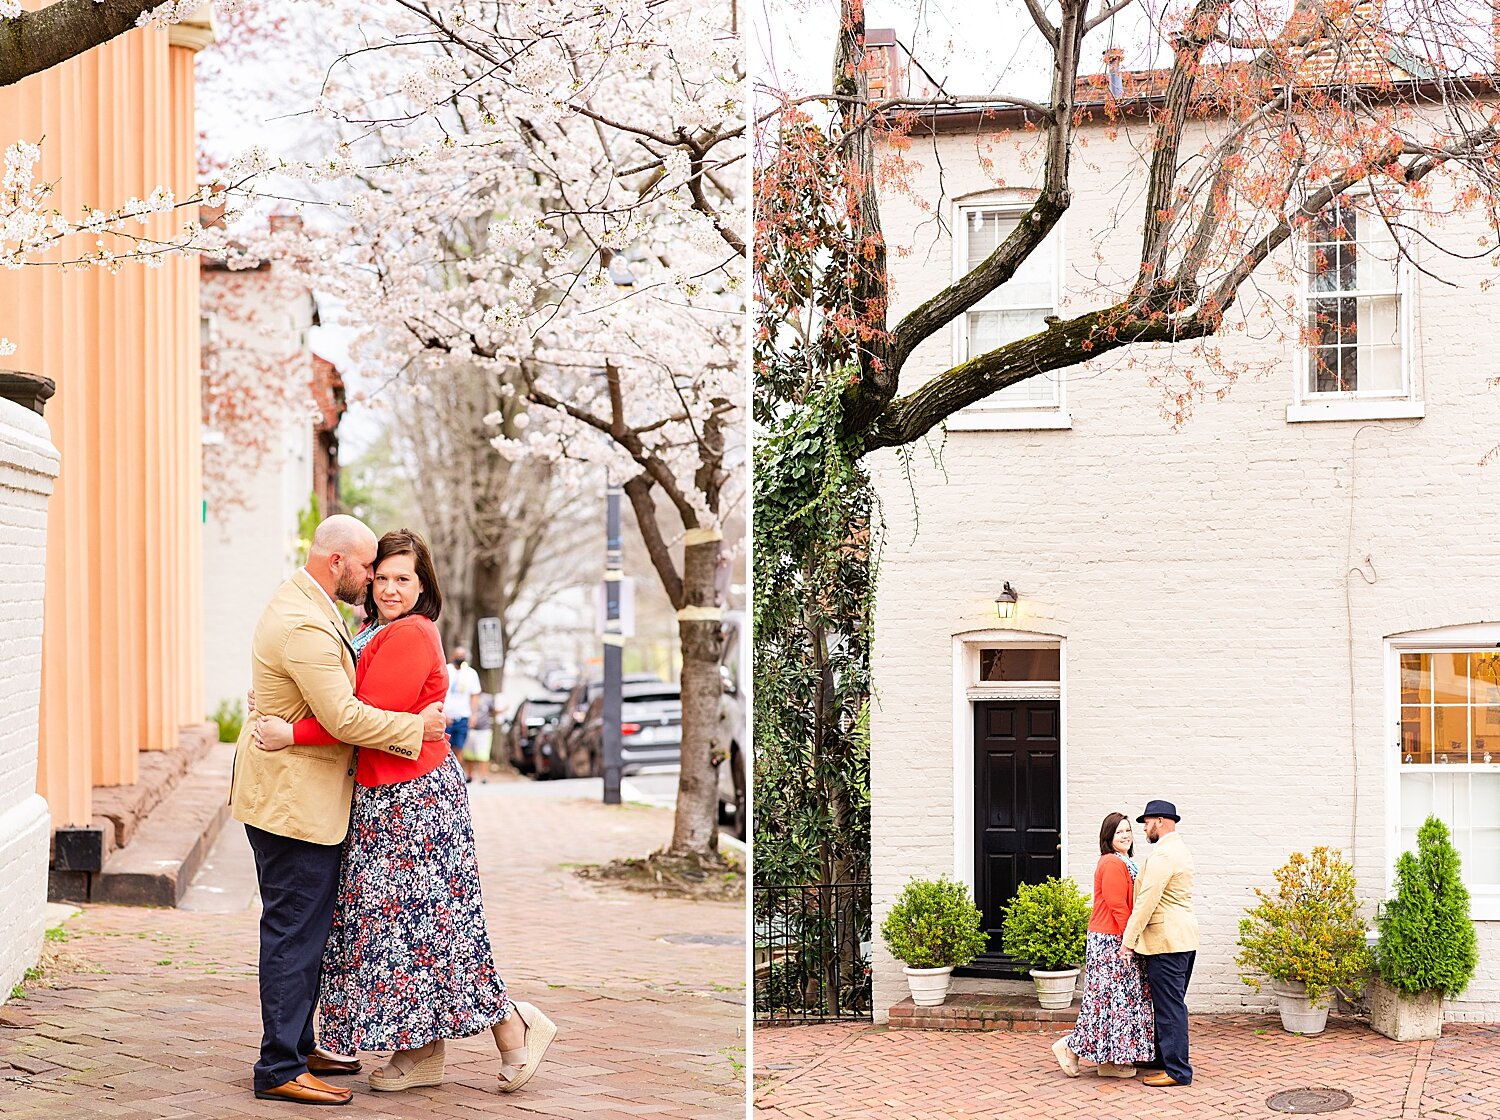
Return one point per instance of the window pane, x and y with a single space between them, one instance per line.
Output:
1483 863
1485 727
989 329
1325 369
1416 735
1380 369
1416 678
1019 664
1417 800
1450 734
1031 284
1450 678
1484 674
1377 254
1377 323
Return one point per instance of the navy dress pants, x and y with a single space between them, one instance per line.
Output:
1168 974
298 884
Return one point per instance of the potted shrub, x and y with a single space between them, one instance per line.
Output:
1426 947
934 928
1046 926
1307 938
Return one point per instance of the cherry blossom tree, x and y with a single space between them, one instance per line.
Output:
551 196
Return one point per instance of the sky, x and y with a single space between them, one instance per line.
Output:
978 47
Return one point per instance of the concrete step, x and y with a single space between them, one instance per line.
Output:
170 844
971 1012
226 883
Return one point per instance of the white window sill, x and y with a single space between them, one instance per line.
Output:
996 420
1355 410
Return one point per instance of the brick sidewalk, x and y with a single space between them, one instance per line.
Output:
154 1013
1238 1062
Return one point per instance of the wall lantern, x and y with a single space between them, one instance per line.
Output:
1005 602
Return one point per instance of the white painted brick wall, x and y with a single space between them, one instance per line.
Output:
1199 579
28 466
249 549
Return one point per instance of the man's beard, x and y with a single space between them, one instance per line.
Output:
351 590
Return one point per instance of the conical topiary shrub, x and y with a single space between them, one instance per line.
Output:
1427 941
1427 948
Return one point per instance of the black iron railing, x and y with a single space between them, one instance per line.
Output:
812 953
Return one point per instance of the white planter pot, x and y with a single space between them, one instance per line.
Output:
1054 990
1402 1017
1297 1015
929 986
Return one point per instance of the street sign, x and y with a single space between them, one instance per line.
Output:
627 607
491 654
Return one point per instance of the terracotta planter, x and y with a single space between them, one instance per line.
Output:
1298 1016
1402 1017
929 986
1054 990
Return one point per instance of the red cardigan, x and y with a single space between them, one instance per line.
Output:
1114 895
401 669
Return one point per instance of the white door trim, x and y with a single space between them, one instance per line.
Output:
966 647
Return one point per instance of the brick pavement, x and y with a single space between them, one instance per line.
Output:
154 1013
847 1071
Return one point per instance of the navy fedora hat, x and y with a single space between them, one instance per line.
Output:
1159 809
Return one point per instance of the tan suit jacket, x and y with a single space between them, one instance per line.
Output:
303 665
1161 920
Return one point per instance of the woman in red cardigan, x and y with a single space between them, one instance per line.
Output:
1115 1025
408 962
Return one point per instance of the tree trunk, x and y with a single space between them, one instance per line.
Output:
695 831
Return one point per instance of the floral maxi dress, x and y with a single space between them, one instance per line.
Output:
408 959
1116 1022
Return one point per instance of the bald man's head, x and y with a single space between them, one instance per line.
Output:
342 557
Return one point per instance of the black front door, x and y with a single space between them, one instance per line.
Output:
1017 811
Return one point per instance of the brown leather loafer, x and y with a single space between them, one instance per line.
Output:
330 1067
306 1089
1159 1080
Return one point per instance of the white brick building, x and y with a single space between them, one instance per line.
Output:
28 468
260 320
1216 615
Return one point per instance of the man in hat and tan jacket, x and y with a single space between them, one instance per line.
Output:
295 802
1164 932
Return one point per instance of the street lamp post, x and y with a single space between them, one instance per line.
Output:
614 642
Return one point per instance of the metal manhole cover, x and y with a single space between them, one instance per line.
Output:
702 939
1305 1101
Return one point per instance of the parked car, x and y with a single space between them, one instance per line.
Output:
533 715
550 752
729 737
650 727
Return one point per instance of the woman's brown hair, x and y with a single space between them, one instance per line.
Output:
1107 835
404 542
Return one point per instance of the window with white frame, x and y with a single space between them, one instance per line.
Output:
1353 305
1449 764
1014 310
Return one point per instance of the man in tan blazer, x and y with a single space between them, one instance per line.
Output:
1164 932
295 802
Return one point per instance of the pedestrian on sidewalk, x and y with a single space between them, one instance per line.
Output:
461 704
408 961
295 806
1116 1024
476 752
1163 930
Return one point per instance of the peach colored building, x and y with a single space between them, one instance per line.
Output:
122 638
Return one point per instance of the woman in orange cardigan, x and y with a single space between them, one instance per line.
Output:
1115 1025
408 962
